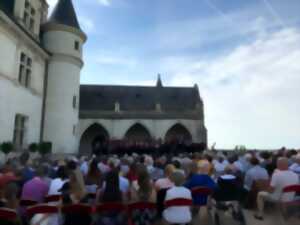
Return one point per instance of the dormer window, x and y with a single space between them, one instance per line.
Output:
29 16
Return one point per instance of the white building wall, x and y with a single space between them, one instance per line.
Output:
60 117
14 98
18 100
62 42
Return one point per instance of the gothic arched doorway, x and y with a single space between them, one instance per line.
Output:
94 140
137 133
179 134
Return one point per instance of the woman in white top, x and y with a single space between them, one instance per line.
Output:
57 183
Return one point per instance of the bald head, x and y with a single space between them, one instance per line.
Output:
282 163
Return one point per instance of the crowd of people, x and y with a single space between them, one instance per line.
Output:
151 178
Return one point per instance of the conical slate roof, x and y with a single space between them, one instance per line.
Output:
64 13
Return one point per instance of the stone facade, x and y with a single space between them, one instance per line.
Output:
41 60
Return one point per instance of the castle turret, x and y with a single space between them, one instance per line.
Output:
64 39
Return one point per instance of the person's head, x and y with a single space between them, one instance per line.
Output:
112 190
254 161
24 158
232 159
93 168
62 173
220 159
229 170
72 165
177 164
144 182
282 163
203 167
42 170
177 178
297 158
170 168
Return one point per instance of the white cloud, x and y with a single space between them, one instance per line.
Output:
251 95
86 24
111 60
104 2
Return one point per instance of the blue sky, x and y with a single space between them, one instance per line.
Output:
243 54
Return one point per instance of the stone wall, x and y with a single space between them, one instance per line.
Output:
158 129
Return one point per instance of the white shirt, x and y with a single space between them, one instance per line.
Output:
84 168
55 185
178 214
280 180
253 174
295 167
220 166
103 167
124 184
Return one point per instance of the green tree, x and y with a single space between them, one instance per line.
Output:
7 147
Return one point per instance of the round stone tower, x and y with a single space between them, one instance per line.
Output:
64 39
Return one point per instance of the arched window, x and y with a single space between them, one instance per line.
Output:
94 140
138 133
178 133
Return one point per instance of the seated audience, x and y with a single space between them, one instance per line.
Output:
73 193
178 214
93 178
282 177
256 172
111 192
295 167
57 183
145 192
165 183
36 189
200 179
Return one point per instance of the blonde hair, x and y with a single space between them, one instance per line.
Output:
170 168
77 184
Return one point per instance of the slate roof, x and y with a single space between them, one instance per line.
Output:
138 98
64 13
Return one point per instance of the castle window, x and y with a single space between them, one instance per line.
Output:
29 16
19 130
25 70
74 102
76 45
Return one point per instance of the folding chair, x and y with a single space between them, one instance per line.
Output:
227 197
8 215
41 209
109 210
52 198
204 194
295 202
141 206
27 202
77 214
112 206
178 202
